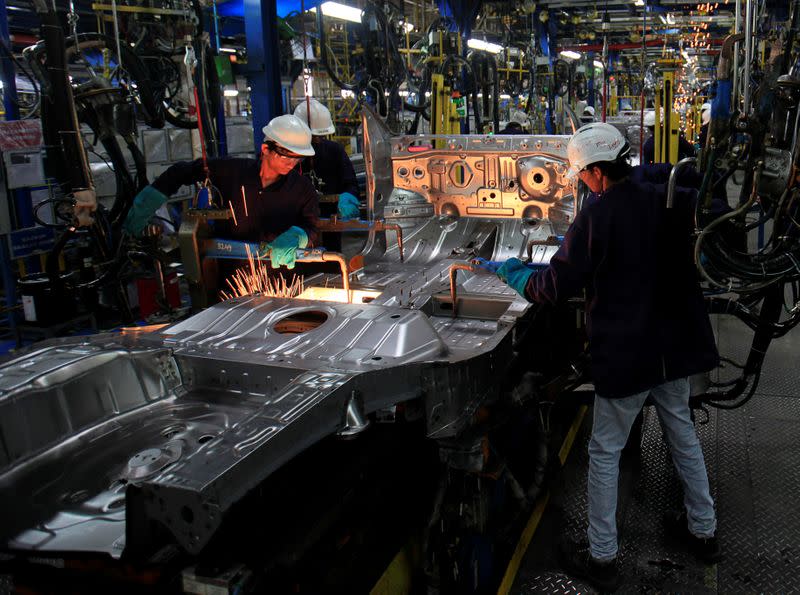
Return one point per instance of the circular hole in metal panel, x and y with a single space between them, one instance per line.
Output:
300 322
402 172
418 172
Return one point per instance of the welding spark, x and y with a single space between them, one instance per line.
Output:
244 200
255 279
233 214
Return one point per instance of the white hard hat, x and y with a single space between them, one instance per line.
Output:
291 133
705 113
650 118
594 143
320 122
521 118
588 110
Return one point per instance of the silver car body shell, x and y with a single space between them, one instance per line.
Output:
177 424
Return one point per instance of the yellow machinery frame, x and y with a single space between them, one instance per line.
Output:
667 128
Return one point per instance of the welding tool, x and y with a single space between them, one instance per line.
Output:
220 248
334 224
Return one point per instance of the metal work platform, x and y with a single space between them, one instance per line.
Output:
752 456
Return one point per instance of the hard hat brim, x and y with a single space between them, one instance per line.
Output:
572 173
324 131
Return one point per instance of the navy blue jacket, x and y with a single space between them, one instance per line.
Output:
685 149
270 211
688 177
646 319
332 167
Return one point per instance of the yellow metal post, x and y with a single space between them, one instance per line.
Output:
439 109
667 120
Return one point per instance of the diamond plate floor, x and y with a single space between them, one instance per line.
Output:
752 455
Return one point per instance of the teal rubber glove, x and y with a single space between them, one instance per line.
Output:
347 206
144 206
282 250
515 274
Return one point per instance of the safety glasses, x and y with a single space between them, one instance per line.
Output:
283 153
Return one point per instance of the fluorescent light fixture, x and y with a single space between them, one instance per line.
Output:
228 50
570 54
598 64
340 11
231 92
347 94
639 3
663 20
505 96
670 18
485 46
407 27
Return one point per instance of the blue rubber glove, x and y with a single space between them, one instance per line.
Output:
282 250
144 206
515 273
347 206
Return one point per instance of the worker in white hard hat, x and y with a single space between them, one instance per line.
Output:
685 148
330 168
518 123
273 204
648 333
705 120
587 117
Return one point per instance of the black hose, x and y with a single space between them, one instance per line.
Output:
768 316
323 51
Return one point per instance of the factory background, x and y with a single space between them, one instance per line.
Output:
262 326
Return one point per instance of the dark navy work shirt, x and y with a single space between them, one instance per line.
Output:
646 318
685 149
331 165
291 201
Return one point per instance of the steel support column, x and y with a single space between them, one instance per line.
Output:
263 69
22 198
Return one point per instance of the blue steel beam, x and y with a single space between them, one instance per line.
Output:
263 69
22 198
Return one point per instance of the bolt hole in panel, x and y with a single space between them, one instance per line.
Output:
300 322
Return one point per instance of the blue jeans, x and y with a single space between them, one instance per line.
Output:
612 424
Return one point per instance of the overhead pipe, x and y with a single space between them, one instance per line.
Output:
736 28
598 47
748 54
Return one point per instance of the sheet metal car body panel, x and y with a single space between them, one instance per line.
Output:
103 434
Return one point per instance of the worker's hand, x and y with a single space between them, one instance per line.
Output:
490 266
144 205
264 250
283 248
348 206
515 273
